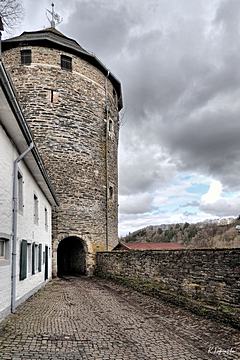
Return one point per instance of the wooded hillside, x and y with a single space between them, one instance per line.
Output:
208 234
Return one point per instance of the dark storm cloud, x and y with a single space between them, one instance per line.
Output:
179 66
100 26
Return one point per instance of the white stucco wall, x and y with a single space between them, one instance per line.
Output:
26 230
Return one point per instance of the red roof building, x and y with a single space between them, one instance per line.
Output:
148 246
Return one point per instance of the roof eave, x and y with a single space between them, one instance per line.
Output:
46 38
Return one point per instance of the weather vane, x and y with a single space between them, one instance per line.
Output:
55 18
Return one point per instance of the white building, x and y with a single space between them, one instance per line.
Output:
25 208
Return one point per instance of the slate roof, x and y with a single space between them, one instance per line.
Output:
148 246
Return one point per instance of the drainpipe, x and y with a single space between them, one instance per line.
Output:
1 29
106 155
14 226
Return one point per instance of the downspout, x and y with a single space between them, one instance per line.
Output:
106 155
14 226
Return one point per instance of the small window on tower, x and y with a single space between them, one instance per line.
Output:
110 192
110 125
66 63
26 57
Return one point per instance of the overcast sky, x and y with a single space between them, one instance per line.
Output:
179 64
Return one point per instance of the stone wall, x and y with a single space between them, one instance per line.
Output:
207 281
66 111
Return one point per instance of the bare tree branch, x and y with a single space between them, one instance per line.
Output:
11 12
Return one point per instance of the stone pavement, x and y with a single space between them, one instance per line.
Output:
82 318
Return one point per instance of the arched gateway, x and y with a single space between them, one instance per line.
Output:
71 257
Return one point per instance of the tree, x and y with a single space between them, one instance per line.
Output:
11 12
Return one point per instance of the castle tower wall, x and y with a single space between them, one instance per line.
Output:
77 137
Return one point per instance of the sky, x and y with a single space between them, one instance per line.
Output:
178 62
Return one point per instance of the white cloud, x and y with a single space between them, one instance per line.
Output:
213 194
136 204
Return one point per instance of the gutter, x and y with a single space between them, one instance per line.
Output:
14 227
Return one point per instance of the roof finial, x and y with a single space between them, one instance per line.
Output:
55 18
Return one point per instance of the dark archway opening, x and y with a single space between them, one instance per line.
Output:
71 257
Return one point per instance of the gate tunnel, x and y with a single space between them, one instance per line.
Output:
71 257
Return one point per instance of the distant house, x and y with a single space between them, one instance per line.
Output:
148 246
26 199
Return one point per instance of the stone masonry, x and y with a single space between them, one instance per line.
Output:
206 281
67 112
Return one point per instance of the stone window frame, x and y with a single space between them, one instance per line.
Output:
66 62
110 128
26 57
115 97
111 191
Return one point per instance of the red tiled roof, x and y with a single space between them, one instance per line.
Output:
150 246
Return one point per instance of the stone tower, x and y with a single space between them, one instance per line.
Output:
71 102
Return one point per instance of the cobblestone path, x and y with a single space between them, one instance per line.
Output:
80 318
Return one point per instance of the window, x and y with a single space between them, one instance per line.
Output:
2 249
52 95
35 215
40 258
66 63
46 218
33 258
29 258
110 125
23 260
110 192
115 97
20 192
36 258
26 57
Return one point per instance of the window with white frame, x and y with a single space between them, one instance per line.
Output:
20 192
35 209
36 255
46 218
29 259
2 248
